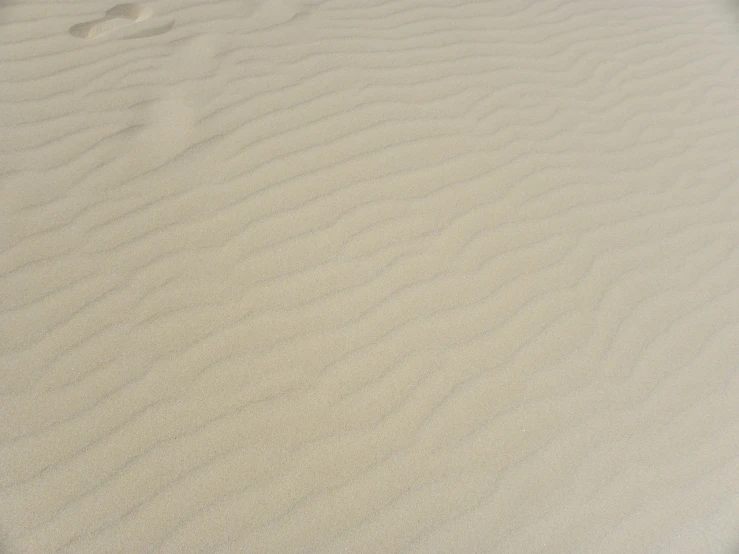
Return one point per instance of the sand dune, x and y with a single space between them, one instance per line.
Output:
392 275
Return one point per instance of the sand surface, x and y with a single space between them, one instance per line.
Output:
369 276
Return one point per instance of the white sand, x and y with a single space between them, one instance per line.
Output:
368 276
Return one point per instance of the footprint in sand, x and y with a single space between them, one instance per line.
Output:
118 17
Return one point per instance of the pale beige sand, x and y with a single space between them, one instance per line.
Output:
369 276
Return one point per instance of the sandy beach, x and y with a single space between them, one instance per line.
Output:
425 276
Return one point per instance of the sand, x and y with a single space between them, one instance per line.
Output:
391 275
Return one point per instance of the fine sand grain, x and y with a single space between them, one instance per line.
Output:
369 276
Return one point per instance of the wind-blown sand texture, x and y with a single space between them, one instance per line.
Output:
369 276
